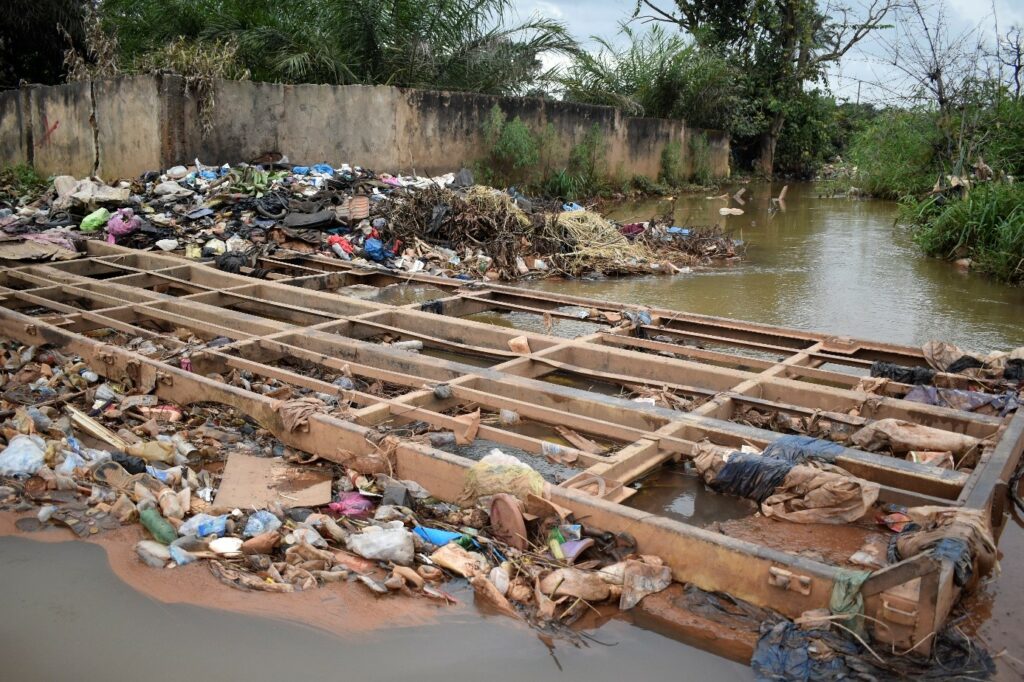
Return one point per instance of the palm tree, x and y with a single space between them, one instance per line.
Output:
448 44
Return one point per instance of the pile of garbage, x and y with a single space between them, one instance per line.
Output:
209 485
445 225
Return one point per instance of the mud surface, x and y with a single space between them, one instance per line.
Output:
68 617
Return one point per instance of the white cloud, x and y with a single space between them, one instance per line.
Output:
863 65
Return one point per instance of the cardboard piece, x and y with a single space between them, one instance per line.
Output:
258 482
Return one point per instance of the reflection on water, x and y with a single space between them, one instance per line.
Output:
833 265
681 495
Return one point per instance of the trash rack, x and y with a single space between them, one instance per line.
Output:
629 391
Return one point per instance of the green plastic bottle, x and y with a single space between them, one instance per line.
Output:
157 525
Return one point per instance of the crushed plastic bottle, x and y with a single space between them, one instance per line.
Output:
162 531
260 522
204 525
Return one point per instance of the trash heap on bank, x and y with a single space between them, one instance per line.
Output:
445 226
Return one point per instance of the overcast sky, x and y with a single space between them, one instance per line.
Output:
586 18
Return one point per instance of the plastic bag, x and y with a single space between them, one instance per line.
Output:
374 249
122 223
95 220
352 504
203 525
71 462
393 543
436 536
24 456
800 449
260 522
501 473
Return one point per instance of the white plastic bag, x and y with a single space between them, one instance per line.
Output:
24 455
391 543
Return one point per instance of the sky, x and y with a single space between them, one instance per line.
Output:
864 64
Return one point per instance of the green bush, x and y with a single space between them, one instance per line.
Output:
986 225
644 185
587 163
513 151
516 156
1003 149
700 158
897 154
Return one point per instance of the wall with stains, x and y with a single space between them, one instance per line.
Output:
124 127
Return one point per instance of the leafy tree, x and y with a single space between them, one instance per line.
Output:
781 45
33 37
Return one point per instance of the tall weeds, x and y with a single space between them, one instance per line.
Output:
986 225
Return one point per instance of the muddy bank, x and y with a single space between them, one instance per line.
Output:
337 608
96 629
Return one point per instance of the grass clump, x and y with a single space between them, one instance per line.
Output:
21 183
986 225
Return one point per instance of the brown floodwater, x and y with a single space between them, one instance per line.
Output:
822 264
841 266
835 265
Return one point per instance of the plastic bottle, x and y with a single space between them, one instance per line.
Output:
170 505
162 531
204 525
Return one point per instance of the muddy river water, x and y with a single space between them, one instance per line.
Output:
833 265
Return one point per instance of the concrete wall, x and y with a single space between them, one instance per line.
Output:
124 127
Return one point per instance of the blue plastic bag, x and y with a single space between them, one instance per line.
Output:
436 536
799 449
374 249
323 169
202 525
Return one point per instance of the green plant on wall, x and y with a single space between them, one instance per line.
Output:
513 151
587 156
672 164
700 158
517 156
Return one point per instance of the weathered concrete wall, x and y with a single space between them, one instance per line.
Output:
15 134
127 126
60 126
124 127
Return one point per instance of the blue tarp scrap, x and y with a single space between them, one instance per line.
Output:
800 449
959 399
787 652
